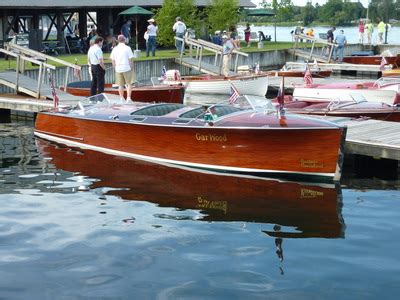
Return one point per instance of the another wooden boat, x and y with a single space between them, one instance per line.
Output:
223 138
142 93
315 73
214 84
338 108
391 73
371 60
312 210
382 90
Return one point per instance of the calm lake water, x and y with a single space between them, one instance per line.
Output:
351 32
80 224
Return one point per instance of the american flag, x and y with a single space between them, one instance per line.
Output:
307 76
53 91
234 94
164 73
281 93
383 63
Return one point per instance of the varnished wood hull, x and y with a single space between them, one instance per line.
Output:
281 151
314 210
369 60
159 93
299 73
391 73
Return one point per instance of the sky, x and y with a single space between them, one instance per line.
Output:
304 2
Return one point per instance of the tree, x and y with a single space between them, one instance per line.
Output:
222 14
165 18
308 14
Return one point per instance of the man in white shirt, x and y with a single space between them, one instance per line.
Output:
121 57
152 30
179 28
96 64
227 49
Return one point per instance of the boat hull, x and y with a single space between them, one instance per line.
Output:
299 73
246 85
159 93
284 152
369 60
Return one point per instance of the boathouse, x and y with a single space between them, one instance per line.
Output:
42 20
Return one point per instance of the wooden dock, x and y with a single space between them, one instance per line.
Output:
374 138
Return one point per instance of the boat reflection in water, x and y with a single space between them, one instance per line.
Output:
311 210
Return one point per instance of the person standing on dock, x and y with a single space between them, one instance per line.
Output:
381 31
179 28
341 41
121 57
97 67
151 42
227 49
369 29
126 30
361 29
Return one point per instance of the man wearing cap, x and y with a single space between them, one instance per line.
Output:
121 57
227 49
179 28
151 42
97 67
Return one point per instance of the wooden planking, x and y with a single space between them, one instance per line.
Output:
306 54
28 86
338 66
380 139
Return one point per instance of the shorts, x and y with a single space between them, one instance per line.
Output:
124 78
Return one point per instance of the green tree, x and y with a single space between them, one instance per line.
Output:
165 18
222 14
308 14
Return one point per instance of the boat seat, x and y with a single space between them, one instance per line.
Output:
222 110
191 114
157 110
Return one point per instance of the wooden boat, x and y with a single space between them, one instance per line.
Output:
338 108
223 138
382 90
215 84
371 60
142 93
391 73
312 210
297 72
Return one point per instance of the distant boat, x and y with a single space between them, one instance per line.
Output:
391 73
371 59
337 108
313 209
382 90
219 84
141 93
225 138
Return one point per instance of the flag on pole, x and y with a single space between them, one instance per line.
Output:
281 93
383 63
234 94
53 91
307 76
164 73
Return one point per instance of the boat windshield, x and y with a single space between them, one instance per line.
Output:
100 99
256 103
386 81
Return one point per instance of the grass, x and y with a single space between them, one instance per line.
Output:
81 59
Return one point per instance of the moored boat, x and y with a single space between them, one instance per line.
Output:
382 90
371 59
221 137
215 84
391 73
358 108
313 209
141 93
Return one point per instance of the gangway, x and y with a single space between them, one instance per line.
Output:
195 61
323 54
36 88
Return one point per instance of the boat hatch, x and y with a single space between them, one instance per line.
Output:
157 109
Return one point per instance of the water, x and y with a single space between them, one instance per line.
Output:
79 224
351 32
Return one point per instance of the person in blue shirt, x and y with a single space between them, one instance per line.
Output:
126 30
341 41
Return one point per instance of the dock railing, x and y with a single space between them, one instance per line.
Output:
326 51
196 48
23 53
20 59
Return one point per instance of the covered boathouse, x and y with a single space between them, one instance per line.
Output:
44 20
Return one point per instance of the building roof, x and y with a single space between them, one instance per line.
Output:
48 4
